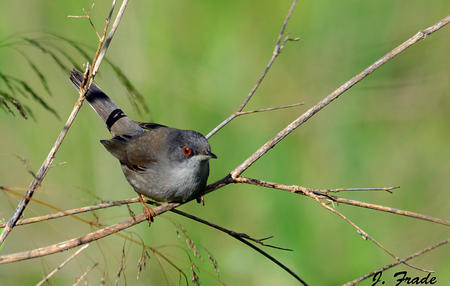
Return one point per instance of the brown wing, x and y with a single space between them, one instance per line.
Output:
138 152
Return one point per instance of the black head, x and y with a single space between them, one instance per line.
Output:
188 144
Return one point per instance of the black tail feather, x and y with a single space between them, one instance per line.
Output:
117 122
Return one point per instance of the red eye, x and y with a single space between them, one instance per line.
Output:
186 151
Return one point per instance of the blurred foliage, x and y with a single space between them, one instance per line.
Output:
17 86
194 62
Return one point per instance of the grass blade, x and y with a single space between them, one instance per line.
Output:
47 51
39 74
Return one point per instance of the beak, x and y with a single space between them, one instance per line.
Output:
211 154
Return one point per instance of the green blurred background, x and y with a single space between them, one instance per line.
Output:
195 61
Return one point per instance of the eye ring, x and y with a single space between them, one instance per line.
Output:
187 151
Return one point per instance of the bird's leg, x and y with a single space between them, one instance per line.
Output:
200 200
148 211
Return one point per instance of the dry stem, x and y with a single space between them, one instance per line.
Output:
364 234
268 109
335 94
321 194
72 212
62 265
418 253
276 51
242 237
87 15
51 155
170 206
85 274
68 244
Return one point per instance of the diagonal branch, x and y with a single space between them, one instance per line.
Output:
240 113
87 15
321 194
135 200
242 237
335 94
71 243
40 283
73 212
389 210
364 234
338 190
418 253
276 51
101 233
85 274
222 229
101 50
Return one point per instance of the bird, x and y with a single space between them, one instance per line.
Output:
162 163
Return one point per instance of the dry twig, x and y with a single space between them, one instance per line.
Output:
62 265
72 212
418 253
335 94
68 244
321 194
81 278
101 50
279 45
87 15
242 237
360 231
268 109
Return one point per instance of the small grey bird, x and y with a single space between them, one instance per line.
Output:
165 164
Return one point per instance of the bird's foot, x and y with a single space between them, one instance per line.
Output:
148 211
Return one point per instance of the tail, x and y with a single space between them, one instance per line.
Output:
116 121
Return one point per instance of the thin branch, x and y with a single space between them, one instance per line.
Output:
242 237
364 234
239 113
85 274
51 155
43 218
268 109
338 190
62 265
71 243
62 246
318 196
277 50
110 35
389 209
222 229
272 259
87 15
304 191
169 206
135 200
221 125
418 253
72 212
335 94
